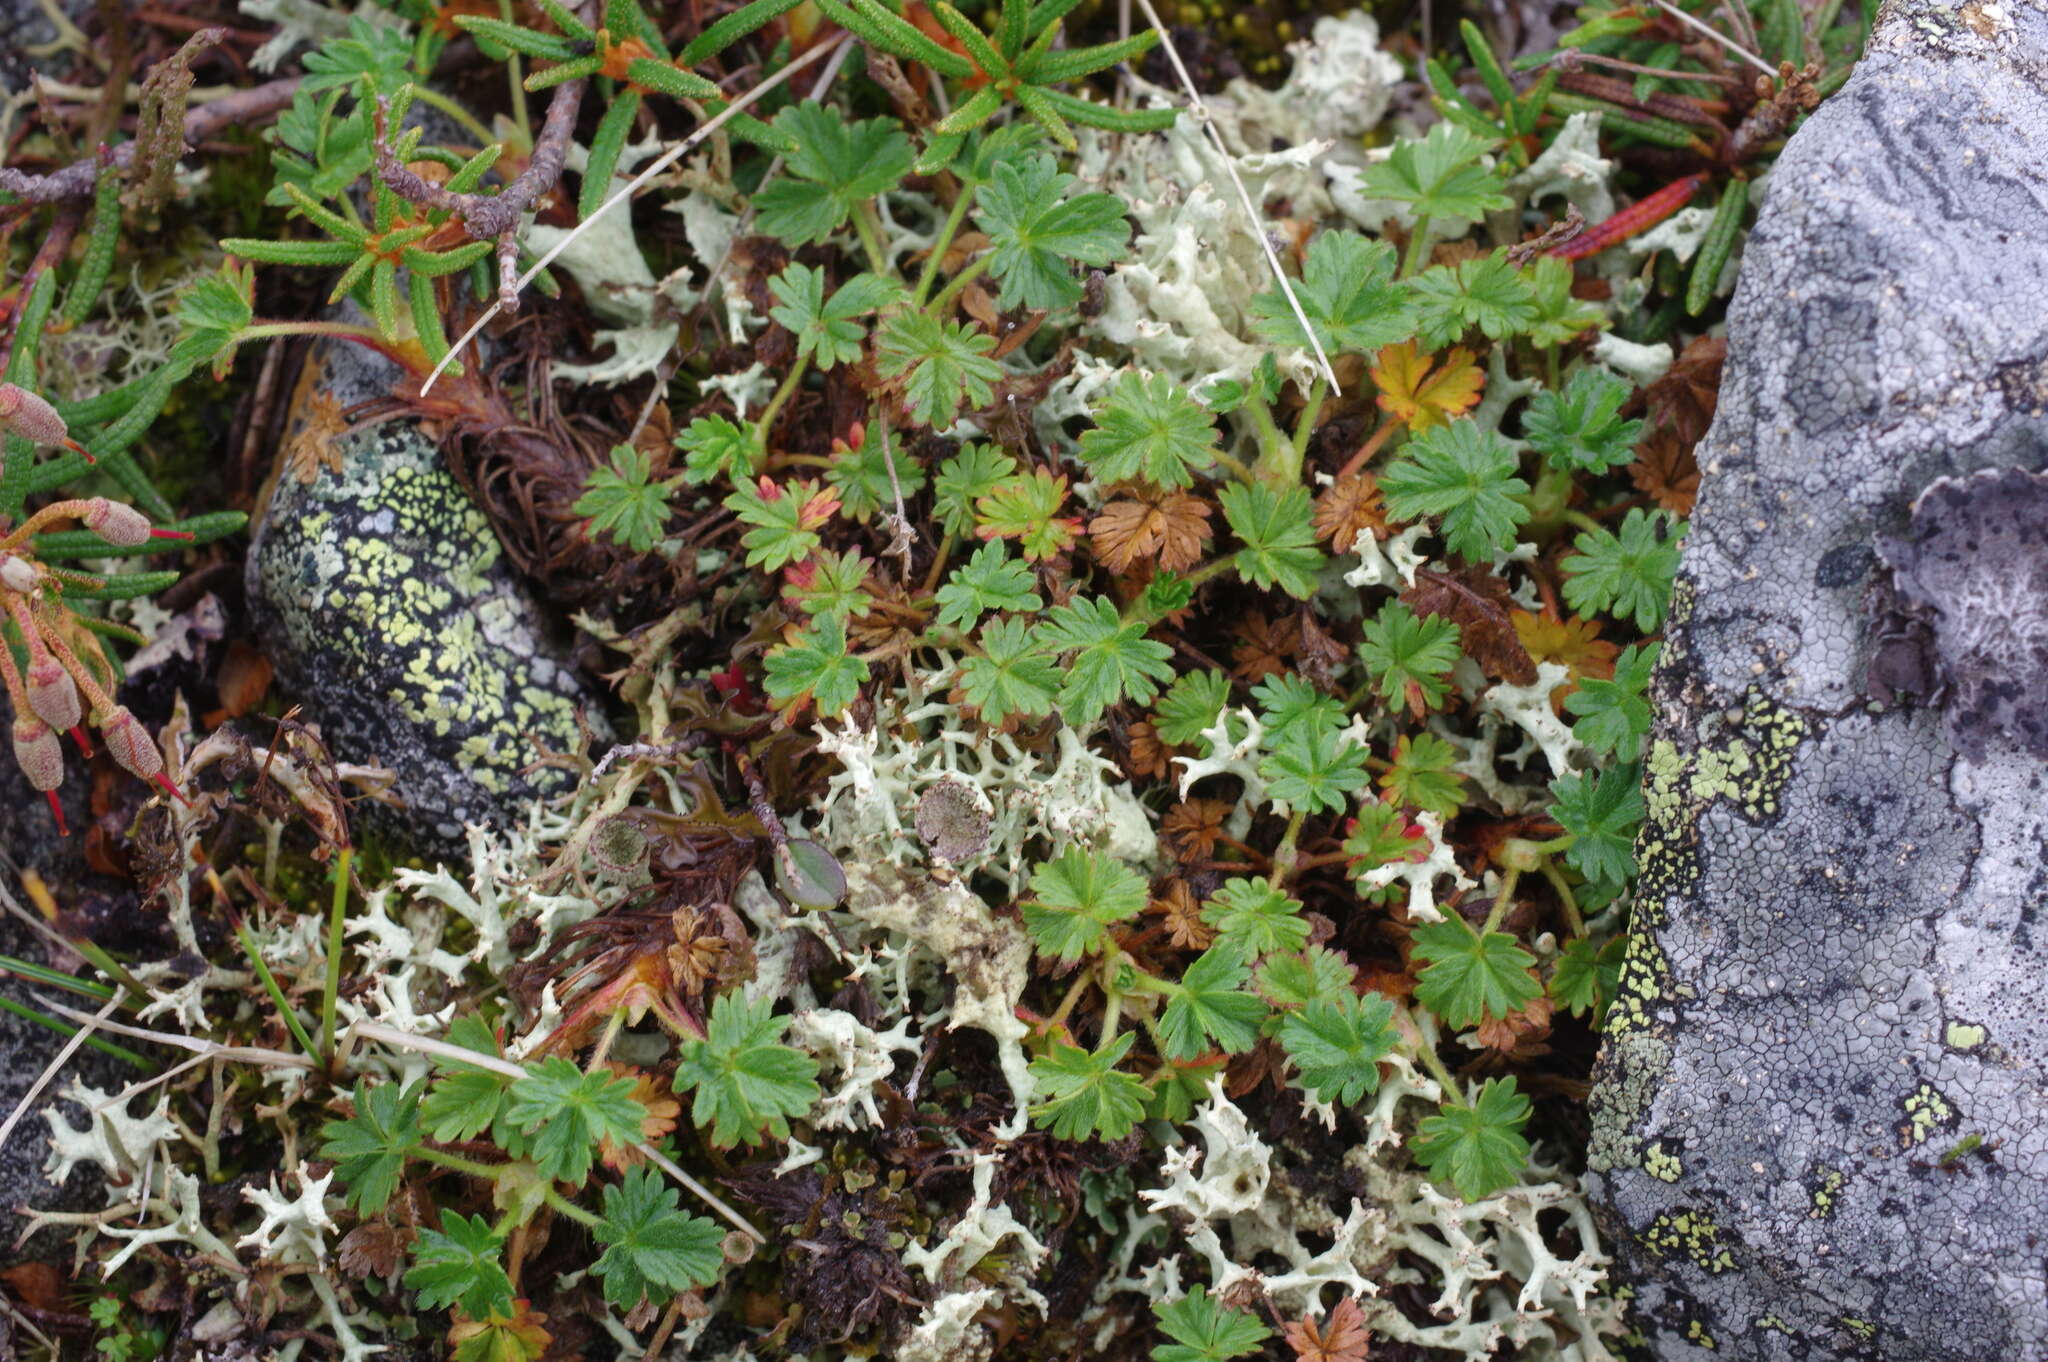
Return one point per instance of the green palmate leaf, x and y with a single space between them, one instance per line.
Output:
1209 1004
1178 1086
861 476
718 451
747 1083
1150 428
825 328
1559 316
1037 230
1277 529
1580 430
990 580
1410 658
652 1249
1110 659
458 1265
1486 292
623 502
1190 707
1012 676
1440 178
835 166
1477 1149
829 584
1348 293
1471 976
1337 1044
816 669
378 55
1080 895
1629 575
1382 836
1289 701
1467 476
1027 509
1253 919
1314 772
1086 1095
568 1111
1295 981
966 478
1585 978
369 1148
1203 1329
466 1100
1420 775
941 365
785 519
1602 813
1614 716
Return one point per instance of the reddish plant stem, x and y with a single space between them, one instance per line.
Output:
1639 216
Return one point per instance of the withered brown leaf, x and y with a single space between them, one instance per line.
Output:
1348 506
1519 1035
374 1248
1340 1336
1184 925
1168 528
1682 401
1264 647
1147 755
1478 603
1190 828
1666 471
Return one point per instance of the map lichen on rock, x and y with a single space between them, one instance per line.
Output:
1820 1122
389 609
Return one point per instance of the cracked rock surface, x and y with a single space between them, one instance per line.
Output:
1821 1116
386 603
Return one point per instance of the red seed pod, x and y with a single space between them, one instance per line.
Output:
53 695
40 753
116 523
25 414
129 743
17 574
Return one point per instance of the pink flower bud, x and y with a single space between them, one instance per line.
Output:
129 743
40 753
25 414
117 524
17 574
52 694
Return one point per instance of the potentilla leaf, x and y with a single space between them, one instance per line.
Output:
1465 475
369 1148
1347 291
1079 895
1253 919
1086 1095
1037 226
748 1085
1471 976
1410 658
1440 178
816 668
1602 813
1337 1043
567 1111
1614 715
624 502
652 1249
1150 428
1580 429
990 580
825 328
1209 1004
835 166
1477 1149
1277 528
941 364
1629 575
1203 1329
458 1265
1109 660
1012 675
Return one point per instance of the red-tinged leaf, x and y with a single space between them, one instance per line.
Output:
1340 1336
1420 392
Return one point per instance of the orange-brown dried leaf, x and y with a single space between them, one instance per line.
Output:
1145 754
1682 401
1340 1336
38 1285
1182 913
1348 506
1519 1035
522 1338
1264 647
1478 603
1420 393
1666 471
662 1111
312 450
1168 528
374 1249
1574 642
1190 829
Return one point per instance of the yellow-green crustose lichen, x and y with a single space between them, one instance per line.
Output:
1692 1234
393 614
1926 1112
1661 1163
1827 1182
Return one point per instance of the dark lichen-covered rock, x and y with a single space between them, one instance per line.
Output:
1821 1116
386 604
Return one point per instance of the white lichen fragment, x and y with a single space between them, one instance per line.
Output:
294 1230
860 1055
1528 707
985 1226
1421 876
117 1143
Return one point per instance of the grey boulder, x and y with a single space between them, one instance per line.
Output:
1821 1111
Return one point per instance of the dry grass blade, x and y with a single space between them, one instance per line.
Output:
71 1047
654 167
1251 210
1737 48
